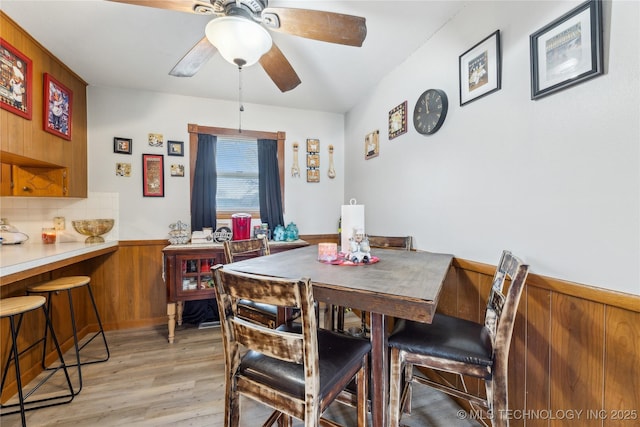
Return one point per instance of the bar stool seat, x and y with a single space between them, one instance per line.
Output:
9 309
68 283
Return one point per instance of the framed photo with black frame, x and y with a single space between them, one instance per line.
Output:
175 148
568 50
122 145
480 69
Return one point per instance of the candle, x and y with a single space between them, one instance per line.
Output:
327 251
48 235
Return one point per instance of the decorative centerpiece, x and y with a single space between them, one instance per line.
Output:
179 234
359 249
94 228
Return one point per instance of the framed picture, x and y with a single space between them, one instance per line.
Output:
568 50
177 170
480 69
122 145
398 120
15 83
372 145
156 140
313 175
175 148
313 160
123 169
313 146
57 107
153 175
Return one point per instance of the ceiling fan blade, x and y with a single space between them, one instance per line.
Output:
279 69
179 5
193 60
319 25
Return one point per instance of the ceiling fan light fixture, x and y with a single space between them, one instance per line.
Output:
238 39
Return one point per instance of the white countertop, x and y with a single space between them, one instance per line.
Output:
18 258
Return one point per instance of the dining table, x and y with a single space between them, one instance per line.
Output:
397 284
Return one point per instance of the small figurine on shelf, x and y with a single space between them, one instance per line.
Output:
278 233
291 233
179 234
359 249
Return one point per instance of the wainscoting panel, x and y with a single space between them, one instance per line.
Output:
575 354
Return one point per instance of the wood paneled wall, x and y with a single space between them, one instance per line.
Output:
575 348
24 141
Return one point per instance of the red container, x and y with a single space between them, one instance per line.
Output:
241 225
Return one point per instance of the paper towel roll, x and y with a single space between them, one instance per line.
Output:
352 218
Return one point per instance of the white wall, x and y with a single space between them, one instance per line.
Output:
314 207
555 180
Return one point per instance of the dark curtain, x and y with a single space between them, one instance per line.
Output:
203 198
269 183
203 214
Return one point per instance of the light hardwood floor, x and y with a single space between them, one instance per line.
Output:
149 382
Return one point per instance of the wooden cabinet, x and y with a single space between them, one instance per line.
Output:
24 142
187 274
34 181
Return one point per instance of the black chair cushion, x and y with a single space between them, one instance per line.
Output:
338 353
258 306
446 337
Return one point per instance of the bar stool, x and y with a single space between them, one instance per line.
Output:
67 284
18 306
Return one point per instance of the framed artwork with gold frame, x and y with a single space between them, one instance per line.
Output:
313 175
313 145
372 145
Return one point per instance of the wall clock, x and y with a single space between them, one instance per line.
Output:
430 111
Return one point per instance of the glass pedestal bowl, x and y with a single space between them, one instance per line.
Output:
94 228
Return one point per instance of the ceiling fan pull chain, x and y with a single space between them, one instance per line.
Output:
241 109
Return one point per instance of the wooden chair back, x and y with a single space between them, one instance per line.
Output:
502 306
239 334
458 346
391 242
237 250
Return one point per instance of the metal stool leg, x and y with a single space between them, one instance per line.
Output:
14 357
78 348
16 361
100 330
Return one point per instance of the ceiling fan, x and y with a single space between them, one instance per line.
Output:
250 19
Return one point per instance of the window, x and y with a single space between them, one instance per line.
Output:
235 173
237 166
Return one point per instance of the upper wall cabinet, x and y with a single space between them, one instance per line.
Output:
23 141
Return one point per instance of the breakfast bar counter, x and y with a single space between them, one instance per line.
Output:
22 261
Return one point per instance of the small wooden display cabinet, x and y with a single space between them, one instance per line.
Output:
187 274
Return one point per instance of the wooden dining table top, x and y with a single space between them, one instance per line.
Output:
403 284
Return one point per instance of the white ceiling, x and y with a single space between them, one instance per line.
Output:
118 45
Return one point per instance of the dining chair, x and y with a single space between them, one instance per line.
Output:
381 242
238 250
298 370
451 345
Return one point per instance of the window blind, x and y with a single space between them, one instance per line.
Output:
237 166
